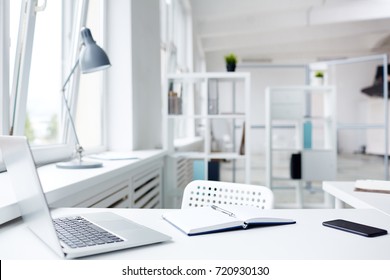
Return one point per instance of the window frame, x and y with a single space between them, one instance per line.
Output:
4 66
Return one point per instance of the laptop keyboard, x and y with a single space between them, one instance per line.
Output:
77 232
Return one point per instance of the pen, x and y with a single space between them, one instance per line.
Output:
223 211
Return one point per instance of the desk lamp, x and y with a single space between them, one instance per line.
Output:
92 58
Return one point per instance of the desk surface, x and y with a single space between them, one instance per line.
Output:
345 191
305 240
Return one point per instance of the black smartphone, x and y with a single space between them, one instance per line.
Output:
356 228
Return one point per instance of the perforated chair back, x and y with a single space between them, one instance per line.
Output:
201 193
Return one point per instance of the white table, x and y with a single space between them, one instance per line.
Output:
345 192
305 240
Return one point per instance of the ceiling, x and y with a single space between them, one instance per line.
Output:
291 30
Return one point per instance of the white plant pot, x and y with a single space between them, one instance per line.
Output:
318 81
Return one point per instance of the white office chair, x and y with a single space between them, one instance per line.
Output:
205 193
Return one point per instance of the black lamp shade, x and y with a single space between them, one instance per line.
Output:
376 90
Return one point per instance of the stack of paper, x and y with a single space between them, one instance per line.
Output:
373 186
114 156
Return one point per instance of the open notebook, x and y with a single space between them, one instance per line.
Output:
194 221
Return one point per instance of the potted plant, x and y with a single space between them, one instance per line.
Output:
319 74
319 78
231 61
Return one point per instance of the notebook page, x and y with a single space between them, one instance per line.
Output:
196 220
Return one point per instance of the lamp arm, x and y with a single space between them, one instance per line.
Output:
70 74
79 149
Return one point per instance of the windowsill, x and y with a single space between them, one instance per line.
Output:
59 183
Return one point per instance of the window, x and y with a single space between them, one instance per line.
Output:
4 66
9 22
44 96
37 111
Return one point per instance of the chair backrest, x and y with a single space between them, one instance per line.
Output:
201 193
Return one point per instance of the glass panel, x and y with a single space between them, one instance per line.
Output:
226 135
89 106
183 142
360 154
231 170
226 96
43 103
14 25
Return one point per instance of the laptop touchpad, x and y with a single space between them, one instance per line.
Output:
119 225
112 222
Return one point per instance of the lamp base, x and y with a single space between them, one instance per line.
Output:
76 164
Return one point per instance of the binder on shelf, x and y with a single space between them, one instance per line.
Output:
296 166
174 101
307 135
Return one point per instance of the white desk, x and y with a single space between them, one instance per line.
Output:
305 240
345 192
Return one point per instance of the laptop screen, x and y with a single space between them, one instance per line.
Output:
28 190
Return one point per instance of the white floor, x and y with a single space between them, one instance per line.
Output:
350 167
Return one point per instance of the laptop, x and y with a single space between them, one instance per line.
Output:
100 232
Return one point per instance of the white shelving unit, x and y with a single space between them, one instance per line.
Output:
309 112
203 104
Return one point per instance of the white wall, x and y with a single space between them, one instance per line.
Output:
146 66
119 113
133 83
